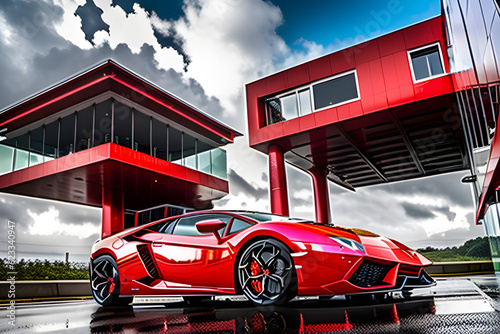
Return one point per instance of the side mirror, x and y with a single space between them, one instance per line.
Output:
211 226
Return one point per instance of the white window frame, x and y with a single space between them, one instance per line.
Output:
440 58
309 87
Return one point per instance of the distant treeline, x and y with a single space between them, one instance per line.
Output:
472 250
43 270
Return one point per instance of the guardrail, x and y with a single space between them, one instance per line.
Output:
78 288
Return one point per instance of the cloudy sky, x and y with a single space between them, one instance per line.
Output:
205 51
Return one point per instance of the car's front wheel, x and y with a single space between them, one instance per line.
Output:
105 281
266 272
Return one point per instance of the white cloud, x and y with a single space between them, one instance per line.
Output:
229 43
70 28
48 223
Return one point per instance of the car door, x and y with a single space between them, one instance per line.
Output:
190 259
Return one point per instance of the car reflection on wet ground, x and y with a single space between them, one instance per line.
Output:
453 306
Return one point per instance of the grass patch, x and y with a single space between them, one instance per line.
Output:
44 270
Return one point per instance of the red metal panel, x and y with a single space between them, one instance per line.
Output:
344 112
276 82
307 122
297 76
418 35
364 80
365 52
319 68
293 126
342 61
327 116
377 76
391 43
275 130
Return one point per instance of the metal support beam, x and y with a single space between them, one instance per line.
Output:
408 143
361 154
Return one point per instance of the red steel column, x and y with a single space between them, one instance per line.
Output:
277 181
321 195
112 211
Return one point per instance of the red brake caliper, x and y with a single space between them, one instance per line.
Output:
255 270
112 286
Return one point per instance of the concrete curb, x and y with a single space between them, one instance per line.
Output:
78 288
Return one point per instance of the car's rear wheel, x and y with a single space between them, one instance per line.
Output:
266 273
105 282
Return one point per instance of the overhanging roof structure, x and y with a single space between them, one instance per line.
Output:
142 179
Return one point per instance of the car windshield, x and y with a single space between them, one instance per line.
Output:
265 217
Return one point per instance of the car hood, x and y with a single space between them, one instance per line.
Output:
376 246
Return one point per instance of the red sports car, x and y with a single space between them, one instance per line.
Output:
268 258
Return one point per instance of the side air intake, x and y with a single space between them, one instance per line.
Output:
147 260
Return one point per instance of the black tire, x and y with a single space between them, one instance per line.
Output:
105 282
266 273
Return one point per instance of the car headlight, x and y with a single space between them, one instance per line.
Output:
351 244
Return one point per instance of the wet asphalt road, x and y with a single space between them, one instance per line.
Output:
453 306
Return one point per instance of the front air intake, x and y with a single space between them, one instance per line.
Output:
147 260
369 274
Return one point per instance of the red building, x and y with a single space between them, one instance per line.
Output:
416 102
108 138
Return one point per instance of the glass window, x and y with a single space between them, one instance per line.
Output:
6 156
273 107
21 159
123 125
67 135
51 135
204 157
187 225
102 131
174 145
159 139
189 152
426 62
305 102
219 163
238 225
334 91
84 129
36 140
141 132
290 108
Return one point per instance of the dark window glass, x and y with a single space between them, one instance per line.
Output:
51 131
123 125
335 91
102 130
66 144
36 144
274 113
187 225
426 63
238 225
141 132
174 145
159 139
84 129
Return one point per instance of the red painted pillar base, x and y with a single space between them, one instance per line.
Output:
277 180
112 211
321 195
